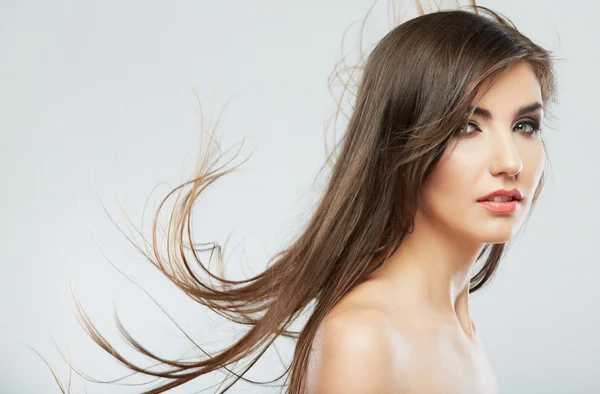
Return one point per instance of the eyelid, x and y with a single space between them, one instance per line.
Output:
533 120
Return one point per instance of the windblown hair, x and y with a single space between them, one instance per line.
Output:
415 91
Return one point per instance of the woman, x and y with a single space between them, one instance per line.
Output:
440 165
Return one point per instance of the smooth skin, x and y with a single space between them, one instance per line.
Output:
407 328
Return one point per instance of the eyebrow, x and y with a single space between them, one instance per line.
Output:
521 111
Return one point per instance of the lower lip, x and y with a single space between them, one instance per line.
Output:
502 207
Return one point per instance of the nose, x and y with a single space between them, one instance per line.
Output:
506 158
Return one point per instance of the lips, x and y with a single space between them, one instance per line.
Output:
514 193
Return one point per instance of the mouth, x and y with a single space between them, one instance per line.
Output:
502 196
500 204
500 199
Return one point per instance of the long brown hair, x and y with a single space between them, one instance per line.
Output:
415 91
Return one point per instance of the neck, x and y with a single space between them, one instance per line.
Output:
432 270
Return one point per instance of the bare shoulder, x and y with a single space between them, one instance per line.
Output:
355 350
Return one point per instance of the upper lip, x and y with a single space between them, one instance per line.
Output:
514 193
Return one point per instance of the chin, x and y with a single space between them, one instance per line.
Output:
499 236
495 240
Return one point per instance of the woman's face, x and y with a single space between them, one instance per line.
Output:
500 149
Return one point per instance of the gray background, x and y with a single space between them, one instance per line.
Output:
99 97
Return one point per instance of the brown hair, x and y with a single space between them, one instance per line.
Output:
415 92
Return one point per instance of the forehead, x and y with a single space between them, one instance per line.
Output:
517 86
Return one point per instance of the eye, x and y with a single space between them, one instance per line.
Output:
528 126
466 131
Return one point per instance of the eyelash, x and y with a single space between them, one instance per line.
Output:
535 125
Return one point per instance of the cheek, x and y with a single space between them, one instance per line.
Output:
534 164
450 190
534 161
